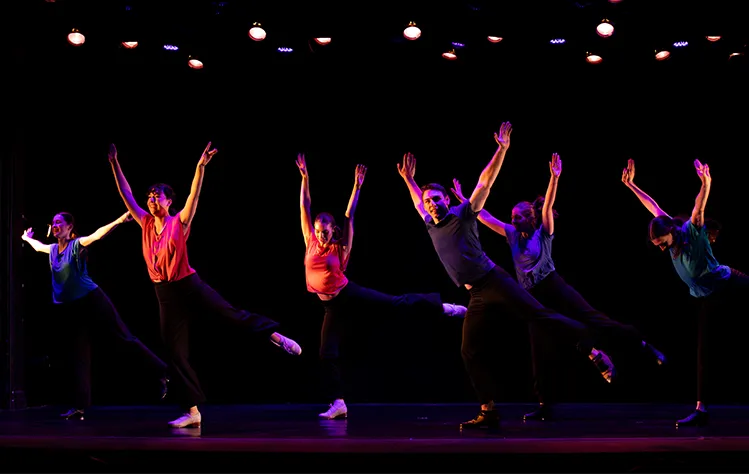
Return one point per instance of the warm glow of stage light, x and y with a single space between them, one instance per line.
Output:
494 39
450 55
593 58
712 39
195 63
130 44
322 41
257 32
412 32
662 55
735 55
76 38
605 29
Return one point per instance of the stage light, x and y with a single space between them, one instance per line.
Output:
494 39
194 62
322 41
76 38
593 58
450 55
257 32
605 28
129 44
412 32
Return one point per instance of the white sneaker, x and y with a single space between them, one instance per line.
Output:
186 420
337 410
455 310
289 345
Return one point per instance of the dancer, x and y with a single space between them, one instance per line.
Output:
493 291
85 308
325 261
181 293
692 257
530 235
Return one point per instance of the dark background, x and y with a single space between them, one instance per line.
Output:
369 99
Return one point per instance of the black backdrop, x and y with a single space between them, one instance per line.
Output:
345 110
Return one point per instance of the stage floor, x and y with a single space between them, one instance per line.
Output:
375 438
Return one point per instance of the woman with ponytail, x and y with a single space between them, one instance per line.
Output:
529 235
689 244
84 308
327 254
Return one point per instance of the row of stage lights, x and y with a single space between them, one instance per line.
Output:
412 32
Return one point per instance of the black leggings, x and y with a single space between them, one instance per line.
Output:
179 303
553 292
351 299
85 317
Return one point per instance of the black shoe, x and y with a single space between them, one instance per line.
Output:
541 413
73 414
696 418
660 359
604 365
164 386
486 419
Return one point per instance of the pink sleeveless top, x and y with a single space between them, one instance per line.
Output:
324 267
166 253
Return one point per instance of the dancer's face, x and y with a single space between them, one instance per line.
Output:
60 228
158 204
664 243
323 233
523 218
435 203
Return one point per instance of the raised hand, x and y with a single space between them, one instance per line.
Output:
408 168
503 137
359 174
302 165
628 173
112 155
703 172
28 234
457 191
205 158
126 217
555 165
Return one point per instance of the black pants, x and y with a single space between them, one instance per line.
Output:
709 307
495 295
555 293
84 318
180 302
351 299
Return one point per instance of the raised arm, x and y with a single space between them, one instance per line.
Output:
28 236
348 236
407 170
489 175
484 217
87 240
547 212
698 213
188 213
125 192
304 199
628 177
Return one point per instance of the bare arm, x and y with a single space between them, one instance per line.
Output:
28 236
348 237
547 213
489 174
698 213
407 170
187 214
628 176
305 200
124 188
87 240
484 217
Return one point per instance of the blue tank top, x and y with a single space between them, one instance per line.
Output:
70 279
